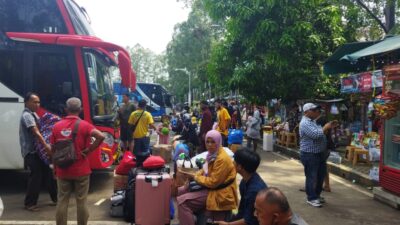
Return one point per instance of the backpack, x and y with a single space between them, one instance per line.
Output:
64 150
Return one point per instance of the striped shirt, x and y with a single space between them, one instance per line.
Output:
312 137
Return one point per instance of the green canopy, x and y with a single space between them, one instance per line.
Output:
335 64
386 45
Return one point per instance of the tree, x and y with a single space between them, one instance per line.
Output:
190 48
275 48
378 9
149 66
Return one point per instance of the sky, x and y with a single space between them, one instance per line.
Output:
128 22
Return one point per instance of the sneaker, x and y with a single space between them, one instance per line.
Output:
315 203
322 200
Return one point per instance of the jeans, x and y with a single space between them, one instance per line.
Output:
39 173
80 187
315 172
142 145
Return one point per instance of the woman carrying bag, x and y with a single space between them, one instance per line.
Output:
218 179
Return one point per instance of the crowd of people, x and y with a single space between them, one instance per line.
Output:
218 196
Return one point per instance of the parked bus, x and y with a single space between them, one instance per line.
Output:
47 46
158 98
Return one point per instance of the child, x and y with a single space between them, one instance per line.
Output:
163 130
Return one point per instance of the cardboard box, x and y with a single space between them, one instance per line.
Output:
165 151
120 182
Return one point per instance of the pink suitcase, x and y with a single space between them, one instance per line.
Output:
153 193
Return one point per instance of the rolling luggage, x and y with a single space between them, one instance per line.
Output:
152 198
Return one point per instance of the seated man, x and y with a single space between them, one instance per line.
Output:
272 208
246 163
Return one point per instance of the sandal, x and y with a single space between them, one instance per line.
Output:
32 208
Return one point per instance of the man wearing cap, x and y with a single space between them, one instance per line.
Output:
312 147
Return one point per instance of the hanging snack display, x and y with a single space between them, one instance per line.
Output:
391 80
386 107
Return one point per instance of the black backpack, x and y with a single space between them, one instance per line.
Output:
129 201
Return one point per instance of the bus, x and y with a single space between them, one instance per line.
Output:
158 98
48 47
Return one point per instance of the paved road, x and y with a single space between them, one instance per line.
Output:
348 204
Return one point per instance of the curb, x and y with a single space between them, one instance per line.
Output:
340 170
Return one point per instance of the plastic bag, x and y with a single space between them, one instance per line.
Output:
335 157
128 162
374 173
374 154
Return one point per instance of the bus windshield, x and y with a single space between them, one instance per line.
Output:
99 69
39 16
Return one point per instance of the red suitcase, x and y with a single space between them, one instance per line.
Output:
153 193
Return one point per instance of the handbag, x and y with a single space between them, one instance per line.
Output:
194 186
64 150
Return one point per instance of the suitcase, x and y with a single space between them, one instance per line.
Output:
152 198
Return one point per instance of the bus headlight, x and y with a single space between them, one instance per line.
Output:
109 139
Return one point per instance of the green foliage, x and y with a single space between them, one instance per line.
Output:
268 48
190 48
149 66
274 48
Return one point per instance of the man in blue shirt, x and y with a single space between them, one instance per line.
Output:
246 163
312 149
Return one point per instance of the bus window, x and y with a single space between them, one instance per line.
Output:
79 20
55 79
39 16
99 71
11 70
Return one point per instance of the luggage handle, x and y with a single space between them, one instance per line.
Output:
149 179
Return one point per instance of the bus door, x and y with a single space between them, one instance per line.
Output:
53 76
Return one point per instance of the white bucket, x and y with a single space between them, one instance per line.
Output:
267 142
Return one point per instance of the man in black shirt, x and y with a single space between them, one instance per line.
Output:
124 112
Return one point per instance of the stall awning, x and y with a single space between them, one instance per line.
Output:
335 64
386 45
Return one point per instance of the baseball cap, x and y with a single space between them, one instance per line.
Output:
310 106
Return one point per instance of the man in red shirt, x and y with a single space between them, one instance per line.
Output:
75 178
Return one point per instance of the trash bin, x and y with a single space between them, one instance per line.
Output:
267 138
